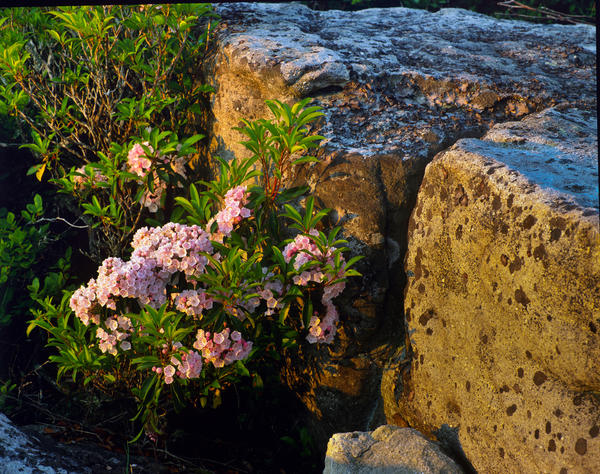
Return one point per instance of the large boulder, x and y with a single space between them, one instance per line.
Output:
503 297
387 450
397 86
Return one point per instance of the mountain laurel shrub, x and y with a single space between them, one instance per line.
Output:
234 279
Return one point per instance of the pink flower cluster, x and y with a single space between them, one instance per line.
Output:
158 253
137 160
190 366
173 248
233 211
119 329
83 302
320 329
192 302
222 348
187 366
303 248
80 181
323 329
270 291
140 163
137 278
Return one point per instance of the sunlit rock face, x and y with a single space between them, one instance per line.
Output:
387 450
503 298
397 87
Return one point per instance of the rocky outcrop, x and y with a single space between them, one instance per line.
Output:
30 452
387 450
397 86
503 298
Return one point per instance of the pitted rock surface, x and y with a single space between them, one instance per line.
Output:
397 86
387 450
503 298
556 149
388 62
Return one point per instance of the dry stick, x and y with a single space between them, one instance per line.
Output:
75 138
108 93
53 125
54 219
74 96
50 92
545 12
192 460
88 123
29 92
123 238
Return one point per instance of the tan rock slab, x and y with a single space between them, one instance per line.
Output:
503 297
387 450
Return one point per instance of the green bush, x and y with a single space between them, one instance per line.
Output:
22 242
202 305
86 83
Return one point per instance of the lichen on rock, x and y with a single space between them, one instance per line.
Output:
503 309
398 86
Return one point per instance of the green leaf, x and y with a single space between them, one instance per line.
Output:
242 368
307 312
38 202
307 221
353 260
283 314
293 214
257 382
352 272
305 159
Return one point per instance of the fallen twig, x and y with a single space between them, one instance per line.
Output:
545 13
54 219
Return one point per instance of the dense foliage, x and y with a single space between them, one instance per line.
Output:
199 305
81 85
202 284
22 241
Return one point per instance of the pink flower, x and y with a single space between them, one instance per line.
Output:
169 371
139 163
190 366
81 179
193 302
223 348
137 160
233 211
124 322
323 330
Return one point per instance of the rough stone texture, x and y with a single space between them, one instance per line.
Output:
34 453
397 86
387 450
503 298
394 68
